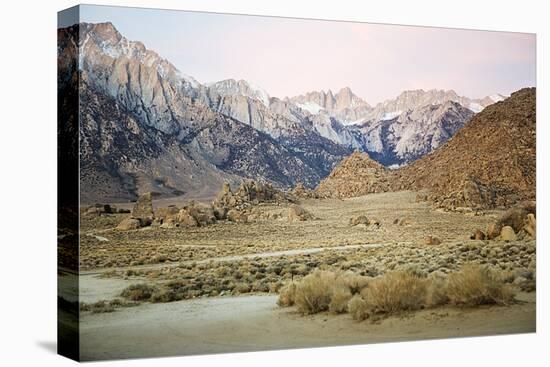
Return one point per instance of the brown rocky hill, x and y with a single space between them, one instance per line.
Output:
490 162
356 175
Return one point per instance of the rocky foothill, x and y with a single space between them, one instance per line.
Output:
517 223
357 175
489 163
239 206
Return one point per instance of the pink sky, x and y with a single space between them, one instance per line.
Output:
287 57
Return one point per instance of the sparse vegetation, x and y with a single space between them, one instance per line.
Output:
104 306
321 291
394 292
476 285
138 292
339 300
357 308
287 295
314 292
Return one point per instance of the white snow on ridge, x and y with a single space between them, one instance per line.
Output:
355 122
194 83
497 97
260 93
390 115
475 107
311 107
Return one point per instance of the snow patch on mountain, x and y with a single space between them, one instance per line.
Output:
310 107
497 97
475 107
192 81
260 93
354 122
390 115
232 87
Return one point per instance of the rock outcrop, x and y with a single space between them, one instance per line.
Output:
530 225
302 192
298 214
129 224
356 175
507 233
432 241
143 208
248 194
520 218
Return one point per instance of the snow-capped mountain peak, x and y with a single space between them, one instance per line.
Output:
103 40
230 87
497 97
310 107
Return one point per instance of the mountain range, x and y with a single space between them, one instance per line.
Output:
146 126
490 162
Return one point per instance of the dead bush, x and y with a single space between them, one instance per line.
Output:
355 283
396 291
287 294
138 292
327 290
314 291
437 290
105 306
357 308
477 285
339 299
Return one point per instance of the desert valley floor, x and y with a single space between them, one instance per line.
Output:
227 276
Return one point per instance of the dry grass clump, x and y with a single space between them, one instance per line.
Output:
357 308
287 295
322 291
476 285
138 292
313 293
437 290
394 292
355 282
104 306
339 300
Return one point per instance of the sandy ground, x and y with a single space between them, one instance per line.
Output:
252 323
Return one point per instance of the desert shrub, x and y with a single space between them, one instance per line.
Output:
339 299
242 288
165 295
477 285
396 291
437 290
357 308
322 291
105 306
314 291
102 307
287 295
355 283
138 292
